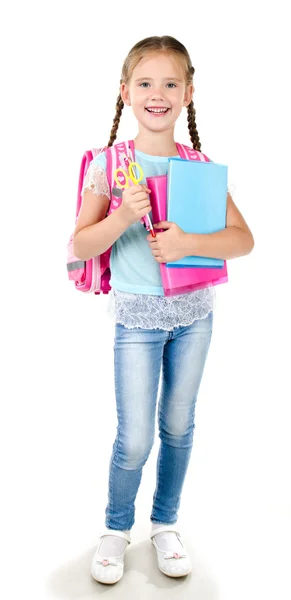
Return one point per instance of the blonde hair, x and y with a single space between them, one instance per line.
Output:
150 44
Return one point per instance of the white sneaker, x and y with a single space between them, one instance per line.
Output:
172 563
109 569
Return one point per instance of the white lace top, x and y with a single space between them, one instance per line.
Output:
143 310
160 312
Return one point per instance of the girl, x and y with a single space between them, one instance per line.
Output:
153 334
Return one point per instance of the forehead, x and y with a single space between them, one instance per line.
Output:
159 64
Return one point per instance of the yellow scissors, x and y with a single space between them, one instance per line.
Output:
134 175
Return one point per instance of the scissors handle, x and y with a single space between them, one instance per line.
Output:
124 176
132 169
134 176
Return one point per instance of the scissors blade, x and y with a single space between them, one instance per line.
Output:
117 192
131 160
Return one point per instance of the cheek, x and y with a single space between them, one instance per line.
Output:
180 97
137 95
174 98
140 98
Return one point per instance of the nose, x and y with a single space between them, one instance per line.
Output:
157 94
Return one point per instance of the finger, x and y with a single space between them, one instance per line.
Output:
158 259
163 225
144 205
141 196
134 189
144 212
145 187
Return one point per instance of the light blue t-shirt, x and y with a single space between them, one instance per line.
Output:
132 265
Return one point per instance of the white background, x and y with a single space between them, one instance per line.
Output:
61 64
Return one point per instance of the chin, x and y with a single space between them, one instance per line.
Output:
157 126
161 128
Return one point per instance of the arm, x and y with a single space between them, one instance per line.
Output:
233 241
94 233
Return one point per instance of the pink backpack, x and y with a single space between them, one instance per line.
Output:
93 275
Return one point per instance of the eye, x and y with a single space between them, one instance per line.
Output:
172 85
144 84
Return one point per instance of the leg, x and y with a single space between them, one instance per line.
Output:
138 358
183 364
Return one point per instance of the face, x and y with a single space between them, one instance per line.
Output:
157 91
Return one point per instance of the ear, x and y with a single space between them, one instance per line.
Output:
124 92
188 94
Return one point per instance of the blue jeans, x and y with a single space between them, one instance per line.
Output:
139 357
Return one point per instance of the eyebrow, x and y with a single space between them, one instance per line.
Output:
164 79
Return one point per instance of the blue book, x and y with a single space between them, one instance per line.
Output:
196 201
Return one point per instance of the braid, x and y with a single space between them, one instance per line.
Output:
119 106
192 126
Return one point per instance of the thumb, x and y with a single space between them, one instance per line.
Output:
163 225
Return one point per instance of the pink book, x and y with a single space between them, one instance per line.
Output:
177 280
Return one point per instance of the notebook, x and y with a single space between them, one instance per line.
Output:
196 201
187 279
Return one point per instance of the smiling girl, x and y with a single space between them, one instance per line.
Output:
154 335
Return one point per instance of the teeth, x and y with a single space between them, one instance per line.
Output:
157 110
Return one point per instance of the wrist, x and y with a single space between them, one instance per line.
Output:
122 218
190 244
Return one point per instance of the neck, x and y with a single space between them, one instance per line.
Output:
156 143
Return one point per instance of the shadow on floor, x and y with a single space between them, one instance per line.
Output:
142 579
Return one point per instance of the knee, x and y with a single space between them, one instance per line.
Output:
134 454
178 434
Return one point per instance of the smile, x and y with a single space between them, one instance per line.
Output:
158 111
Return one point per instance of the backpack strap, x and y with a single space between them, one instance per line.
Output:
85 163
114 158
190 154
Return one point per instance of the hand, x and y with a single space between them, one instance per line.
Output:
135 203
169 245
